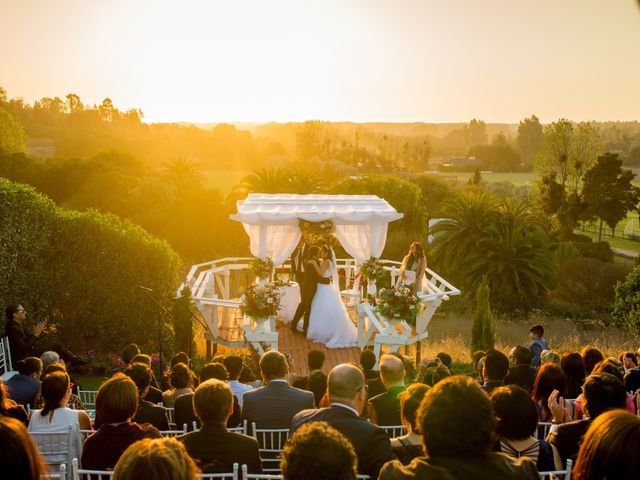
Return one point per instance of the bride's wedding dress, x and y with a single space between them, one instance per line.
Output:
329 322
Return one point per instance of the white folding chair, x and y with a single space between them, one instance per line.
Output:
241 429
554 473
61 474
363 477
543 430
171 415
174 433
271 441
88 398
393 431
82 474
56 448
221 476
6 369
259 476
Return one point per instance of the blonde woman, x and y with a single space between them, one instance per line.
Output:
413 267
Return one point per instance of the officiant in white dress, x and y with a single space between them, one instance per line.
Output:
413 267
329 323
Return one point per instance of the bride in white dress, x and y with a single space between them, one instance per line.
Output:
329 322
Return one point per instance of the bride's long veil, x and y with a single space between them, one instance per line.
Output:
334 270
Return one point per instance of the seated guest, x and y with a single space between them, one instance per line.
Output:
602 392
375 386
234 365
19 455
496 369
367 362
318 451
147 412
409 446
549 356
478 364
591 356
315 360
184 413
517 426
214 448
48 358
9 408
458 427
384 409
275 404
550 378
154 395
432 375
180 380
614 367
127 355
629 361
572 366
116 405
74 401
347 395
521 372
445 359
179 357
160 458
55 416
317 384
610 448
24 387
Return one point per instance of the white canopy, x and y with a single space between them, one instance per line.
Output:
271 221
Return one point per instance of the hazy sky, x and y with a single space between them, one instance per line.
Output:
359 60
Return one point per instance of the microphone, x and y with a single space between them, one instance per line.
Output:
142 287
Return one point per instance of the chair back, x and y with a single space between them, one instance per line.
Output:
553 474
234 475
82 474
259 476
174 433
56 448
171 415
271 441
88 398
6 369
240 429
394 431
61 474
543 430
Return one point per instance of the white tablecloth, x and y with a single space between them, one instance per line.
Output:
289 300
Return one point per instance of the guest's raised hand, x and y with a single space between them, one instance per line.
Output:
556 406
38 329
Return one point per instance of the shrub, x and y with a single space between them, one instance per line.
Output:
587 285
565 251
483 332
83 271
598 250
626 306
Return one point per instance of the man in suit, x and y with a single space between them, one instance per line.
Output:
602 392
384 409
297 262
147 411
347 395
308 290
24 387
496 369
521 373
275 404
213 447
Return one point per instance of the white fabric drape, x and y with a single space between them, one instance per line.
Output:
362 241
276 242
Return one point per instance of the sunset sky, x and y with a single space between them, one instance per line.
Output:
358 60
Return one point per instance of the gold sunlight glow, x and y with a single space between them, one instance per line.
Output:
410 60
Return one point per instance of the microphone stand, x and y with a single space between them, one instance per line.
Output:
148 291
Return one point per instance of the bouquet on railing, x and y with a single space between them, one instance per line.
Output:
262 268
372 269
317 233
260 301
399 303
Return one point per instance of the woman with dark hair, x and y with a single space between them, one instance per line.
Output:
74 402
517 424
116 405
180 380
409 446
413 267
20 458
9 408
611 366
550 378
572 366
610 448
55 417
591 356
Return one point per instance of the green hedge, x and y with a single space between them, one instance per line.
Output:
81 270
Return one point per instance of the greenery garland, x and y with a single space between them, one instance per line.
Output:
317 233
399 303
261 268
372 269
260 301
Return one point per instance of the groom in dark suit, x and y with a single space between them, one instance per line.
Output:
308 290
348 395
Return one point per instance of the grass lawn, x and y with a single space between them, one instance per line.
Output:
88 382
461 178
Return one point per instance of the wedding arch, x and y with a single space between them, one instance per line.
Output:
272 222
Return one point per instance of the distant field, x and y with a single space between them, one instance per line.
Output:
225 180
525 178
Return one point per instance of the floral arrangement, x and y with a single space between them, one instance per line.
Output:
262 268
399 303
318 233
260 301
372 269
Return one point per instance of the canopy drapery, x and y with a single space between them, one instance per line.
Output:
271 221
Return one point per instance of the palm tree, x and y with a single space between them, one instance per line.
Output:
265 180
183 173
